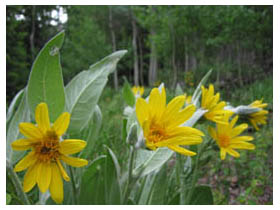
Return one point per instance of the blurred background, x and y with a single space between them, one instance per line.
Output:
170 44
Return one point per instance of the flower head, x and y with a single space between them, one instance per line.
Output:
161 122
138 90
211 103
228 137
47 151
258 117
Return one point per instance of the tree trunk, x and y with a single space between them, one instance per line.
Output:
113 37
141 62
32 33
134 47
174 67
187 63
153 60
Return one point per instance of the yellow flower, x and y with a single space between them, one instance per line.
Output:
47 151
228 138
161 123
211 103
189 99
260 116
138 90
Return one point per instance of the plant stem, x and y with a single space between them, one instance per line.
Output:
74 190
17 184
129 179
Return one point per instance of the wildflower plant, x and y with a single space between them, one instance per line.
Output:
166 141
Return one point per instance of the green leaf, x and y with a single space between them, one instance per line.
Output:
45 81
147 189
178 90
202 195
159 188
8 198
84 90
128 95
14 104
149 161
22 114
92 189
100 181
91 132
197 92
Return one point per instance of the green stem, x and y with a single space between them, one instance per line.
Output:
17 184
129 179
74 190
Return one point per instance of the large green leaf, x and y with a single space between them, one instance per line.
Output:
90 133
45 81
100 181
92 189
22 114
13 105
202 195
84 90
149 161
197 92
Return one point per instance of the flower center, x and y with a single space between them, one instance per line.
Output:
224 140
156 134
47 149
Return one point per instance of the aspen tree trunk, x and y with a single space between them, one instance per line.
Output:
134 46
113 37
141 62
153 60
32 34
174 67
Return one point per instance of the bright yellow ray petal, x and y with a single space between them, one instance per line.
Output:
44 176
23 144
30 131
155 106
61 124
142 110
242 145
242 138
42 117
186 140
73 161
71 146
173 107
223 153
182 150
25 162
30 177
212 132
238 130
182 116
233 152
56 184
62 171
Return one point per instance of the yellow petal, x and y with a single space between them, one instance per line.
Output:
233 152
23 144
182 151
62 171
238 129
61 124
30 178
222 153
56 184
212 132
242 138
72 161
30 131
42 117
187 140
25 162
242 145
173 107
71 146
44 176
180 117
142 110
